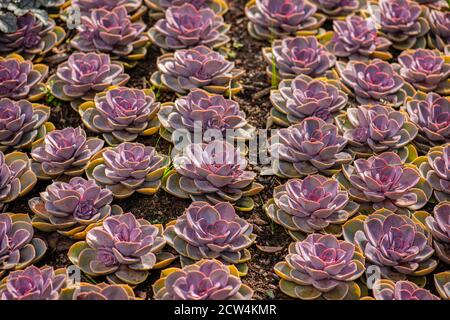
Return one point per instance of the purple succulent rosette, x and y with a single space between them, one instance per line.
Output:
32 38
303 97
123 248
321 267
384 181
22 123
356 38
376 128
280 18
158 7
373 82
439 36
18 247
427 70
307 148
212 172
208 231
34 283
439 226
72 208
431 114
336 9
442 284
128 168
121 114
403 22
204 280
21 79
302 55
101 291
314 204
199 67
135 8
186 26
397 244
84 75
384 289
205 113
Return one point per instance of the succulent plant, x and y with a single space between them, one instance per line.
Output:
321 266
204 280
403 22
439 226
212 172
307 148
384 181
33 283
121 114
302 55
32 37
85 74
376 128
337 8
123 249
431 113
158 7
373 82
314 204
439 36
304 97
111 31
72 208
384 289
434 4
399 245
427 70
357 38
18 248
128 168
208 231
212 114
100 291
186 26
199 67
442 283
66 151
135 8
20 79
280 18
22 123
16 176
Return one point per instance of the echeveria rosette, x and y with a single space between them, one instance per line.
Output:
63 152
135 8
186 26
32 38
439 36
212 172
22 123
427 70
434 4
439 226
16 176
303 97
100 291
357 38
199 110
301 55
280 18
403 22
72 208
336 9
121 114
85 74
21 79
208 231
123 248
199 67
307 148
384 289
18 247
111 31
373 82
377 128
204 280
128 168
384 181
321 266
399 245
442 284
34 283
314 204
158 7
